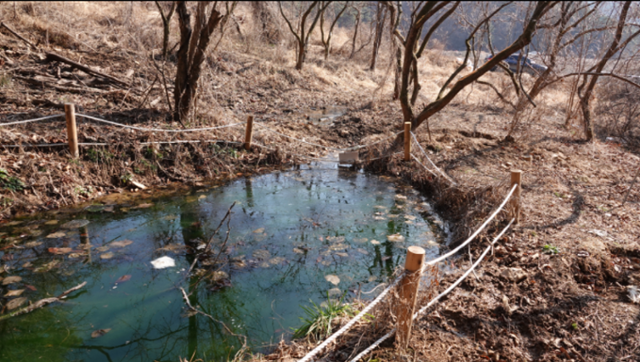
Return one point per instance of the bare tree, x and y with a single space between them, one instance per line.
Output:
381 16
586 88
193 46
327 42
356 25
166 26
302 32
422 14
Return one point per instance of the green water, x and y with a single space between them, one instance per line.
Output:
289 230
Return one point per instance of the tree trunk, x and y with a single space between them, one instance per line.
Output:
380 19
193 45
301 54
355 33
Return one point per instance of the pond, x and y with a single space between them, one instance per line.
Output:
294 237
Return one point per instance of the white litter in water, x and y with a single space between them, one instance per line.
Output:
163 262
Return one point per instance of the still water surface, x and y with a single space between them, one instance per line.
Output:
289 231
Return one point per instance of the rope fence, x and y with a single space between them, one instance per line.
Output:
406 278
407 283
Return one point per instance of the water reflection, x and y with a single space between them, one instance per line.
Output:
289 231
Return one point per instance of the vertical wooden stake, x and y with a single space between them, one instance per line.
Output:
248 134
407 141
72 130
516 178
408 295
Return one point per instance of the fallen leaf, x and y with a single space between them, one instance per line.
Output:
32 244
14 293
121 243
99 332
58 251
333 279
395 238
57 235
15 303
143 206
258 231
11 280
51 222
375 242
106 255
123 279
30 287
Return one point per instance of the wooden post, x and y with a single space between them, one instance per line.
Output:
248 134
516 178
407 141
408 295
72 130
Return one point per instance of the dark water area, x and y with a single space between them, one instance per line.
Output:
294 237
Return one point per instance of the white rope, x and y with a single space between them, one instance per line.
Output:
350 324
432 164
31 120
327 147
421 164
434 300
110 144
158 129
452 252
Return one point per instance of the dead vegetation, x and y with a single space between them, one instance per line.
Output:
572 305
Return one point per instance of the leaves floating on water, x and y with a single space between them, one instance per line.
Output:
360 240
261 254
48 266
335 239
401 197
375 242
121 243
57 235
395 238
344 255
59 251
379 218
11 280
409 217
143 206
338 247
298 251
219 275
74 255
99 332
372 278
362 251
333 279
124 278
258 231
75 224
102 248
380 207
334 292
15 303
14 293
105 256
276 260
32 244
30 287
172 247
